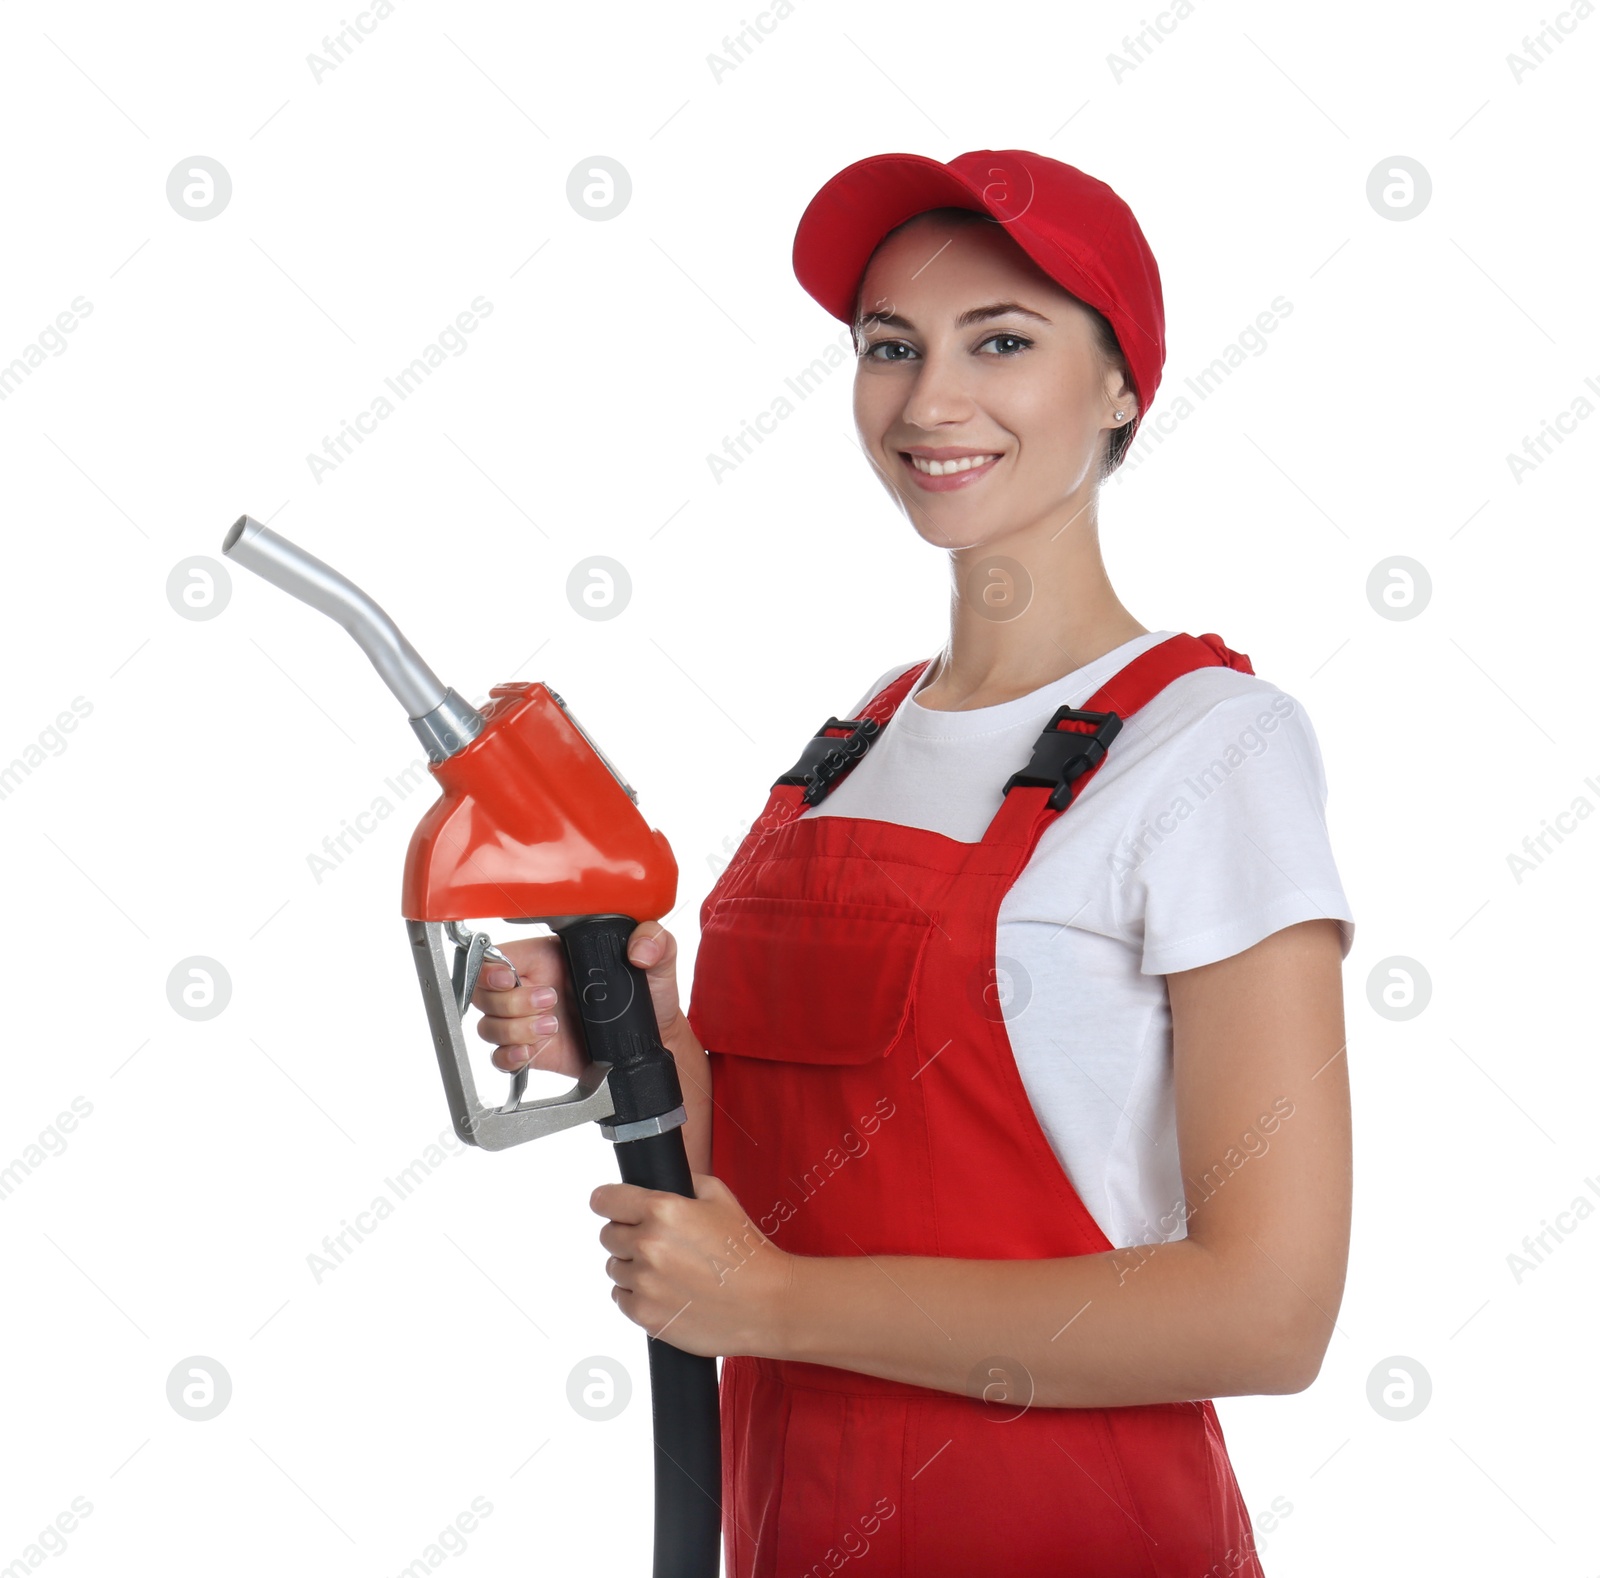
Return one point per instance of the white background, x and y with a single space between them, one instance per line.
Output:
367 210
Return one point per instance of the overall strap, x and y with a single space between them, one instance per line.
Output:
1076 739
838 745
829 755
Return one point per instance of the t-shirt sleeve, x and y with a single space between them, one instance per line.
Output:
1234 844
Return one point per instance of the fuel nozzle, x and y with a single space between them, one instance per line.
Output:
534 824
441 719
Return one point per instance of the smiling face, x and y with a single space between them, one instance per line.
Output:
982 397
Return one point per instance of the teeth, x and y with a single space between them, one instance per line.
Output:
945 468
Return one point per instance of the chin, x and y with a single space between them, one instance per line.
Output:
946 535
952 540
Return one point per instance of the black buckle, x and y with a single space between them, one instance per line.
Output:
1062 755
828 757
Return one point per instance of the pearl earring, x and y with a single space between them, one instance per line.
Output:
1120 415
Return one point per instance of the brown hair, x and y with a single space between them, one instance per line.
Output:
1105 337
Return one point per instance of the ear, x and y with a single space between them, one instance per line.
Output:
1119 396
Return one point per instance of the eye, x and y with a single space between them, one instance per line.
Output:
879 345
1018 341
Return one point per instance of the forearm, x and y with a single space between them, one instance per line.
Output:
1161 1323
694 1075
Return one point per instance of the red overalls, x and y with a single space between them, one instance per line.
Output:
867 1102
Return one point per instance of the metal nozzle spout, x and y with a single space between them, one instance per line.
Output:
443 721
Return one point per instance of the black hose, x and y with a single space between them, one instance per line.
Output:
683 1404
619 1028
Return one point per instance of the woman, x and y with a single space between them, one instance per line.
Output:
1024 1126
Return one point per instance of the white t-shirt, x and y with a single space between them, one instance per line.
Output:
1202 833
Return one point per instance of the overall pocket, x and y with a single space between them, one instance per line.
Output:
806 980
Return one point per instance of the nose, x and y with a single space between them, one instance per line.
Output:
939 394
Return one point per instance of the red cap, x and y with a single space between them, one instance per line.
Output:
1074 227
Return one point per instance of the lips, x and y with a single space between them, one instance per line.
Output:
946 452
983 461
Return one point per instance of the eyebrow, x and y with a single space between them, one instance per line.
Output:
999 309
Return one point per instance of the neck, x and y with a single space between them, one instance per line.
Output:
1024 610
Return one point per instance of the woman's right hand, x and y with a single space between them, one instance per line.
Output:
535 1025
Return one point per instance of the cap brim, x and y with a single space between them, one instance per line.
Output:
854 212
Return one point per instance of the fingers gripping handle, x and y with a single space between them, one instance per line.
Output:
446 991
472 948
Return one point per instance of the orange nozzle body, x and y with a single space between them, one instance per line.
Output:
532 823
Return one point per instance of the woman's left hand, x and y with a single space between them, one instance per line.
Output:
697 1273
